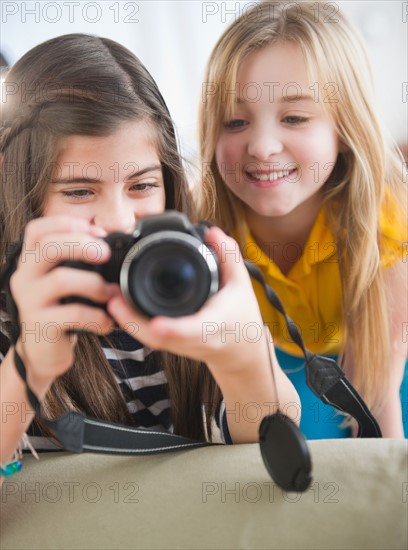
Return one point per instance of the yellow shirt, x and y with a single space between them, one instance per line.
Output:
311 291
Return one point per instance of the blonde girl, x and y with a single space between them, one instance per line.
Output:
297 168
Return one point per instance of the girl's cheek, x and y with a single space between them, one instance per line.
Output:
226 151
223 159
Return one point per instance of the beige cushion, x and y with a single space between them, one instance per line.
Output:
220 497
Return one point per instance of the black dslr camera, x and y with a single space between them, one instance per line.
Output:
163 267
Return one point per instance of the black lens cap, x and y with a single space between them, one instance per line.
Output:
285 452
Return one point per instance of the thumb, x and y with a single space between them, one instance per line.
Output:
228 252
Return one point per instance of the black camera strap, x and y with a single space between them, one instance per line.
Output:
323 375
282 444
79 433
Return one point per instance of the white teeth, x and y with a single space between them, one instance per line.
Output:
272 176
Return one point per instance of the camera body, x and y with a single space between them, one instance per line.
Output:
163 267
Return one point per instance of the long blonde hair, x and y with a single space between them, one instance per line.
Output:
368 173
86 85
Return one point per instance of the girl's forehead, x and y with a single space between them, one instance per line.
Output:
275 63
143 131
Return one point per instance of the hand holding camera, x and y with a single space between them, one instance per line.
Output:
35 283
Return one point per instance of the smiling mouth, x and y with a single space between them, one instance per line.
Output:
269 176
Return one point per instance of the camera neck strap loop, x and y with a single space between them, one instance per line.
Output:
282 444
323 375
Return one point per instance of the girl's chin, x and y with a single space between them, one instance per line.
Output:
270 212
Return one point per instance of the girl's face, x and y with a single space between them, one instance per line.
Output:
110 181
279 147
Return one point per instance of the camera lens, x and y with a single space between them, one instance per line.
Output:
168 276
172 279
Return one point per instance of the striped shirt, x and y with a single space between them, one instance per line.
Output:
143 383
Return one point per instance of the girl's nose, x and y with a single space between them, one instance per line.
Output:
264 142
116 217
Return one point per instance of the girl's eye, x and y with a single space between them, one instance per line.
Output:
145 186
235 124
77 193
294 120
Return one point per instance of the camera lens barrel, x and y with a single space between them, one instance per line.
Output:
169 273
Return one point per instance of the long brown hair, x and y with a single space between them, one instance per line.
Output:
86 85
364 178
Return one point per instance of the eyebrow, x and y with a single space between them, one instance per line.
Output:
296 97
85 179
293 98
